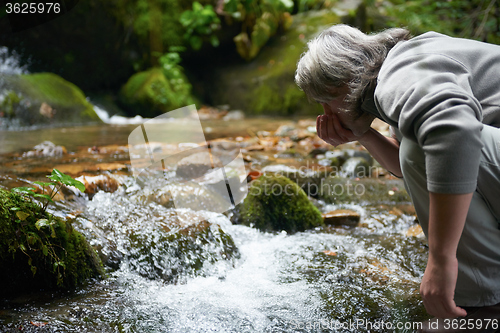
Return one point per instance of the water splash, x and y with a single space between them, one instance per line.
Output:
9 62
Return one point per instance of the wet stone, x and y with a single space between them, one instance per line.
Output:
157 242
196 165
339 217
356 167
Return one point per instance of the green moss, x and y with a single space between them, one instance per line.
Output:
341 190
55 257
150 93
9 103
66 101
266 84
173 256
57 92
274 202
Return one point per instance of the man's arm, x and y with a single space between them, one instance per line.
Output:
385 150
447 214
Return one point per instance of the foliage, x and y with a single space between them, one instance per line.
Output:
260 20
52 250
42 224
477 19
200 22
158 90
9 103
174 73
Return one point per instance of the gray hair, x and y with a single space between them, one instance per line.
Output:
343 55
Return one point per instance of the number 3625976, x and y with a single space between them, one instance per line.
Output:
33 8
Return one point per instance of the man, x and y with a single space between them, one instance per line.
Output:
441 95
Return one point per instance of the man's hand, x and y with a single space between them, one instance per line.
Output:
438 287
332 132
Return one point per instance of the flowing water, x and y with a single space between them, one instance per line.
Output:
330 279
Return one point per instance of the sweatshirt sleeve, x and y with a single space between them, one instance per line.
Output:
430 99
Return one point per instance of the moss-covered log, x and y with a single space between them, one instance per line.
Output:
40 251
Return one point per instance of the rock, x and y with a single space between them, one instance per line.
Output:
356 167
343 190
341 217
265 84
318 151
360 153
338 157
150 94
41 251
309 180
284 130
190 195
156 242
44 99
46 149
234 115
276 203
196 165
94 184
415 231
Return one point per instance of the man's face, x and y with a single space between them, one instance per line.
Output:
358 125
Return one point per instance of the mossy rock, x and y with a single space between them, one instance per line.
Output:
179 249
365 190
266 84
276 203
40 257
150 93
44 99
157 242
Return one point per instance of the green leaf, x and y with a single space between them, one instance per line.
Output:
195 42
31 237
59 263
22 247
44 196
22 215
214 41
42 223
53 233
44 184
15 208
45 250
58 176
24 190
33 270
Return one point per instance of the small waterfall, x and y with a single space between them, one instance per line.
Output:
9 62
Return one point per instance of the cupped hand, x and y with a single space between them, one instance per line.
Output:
438 288
330 129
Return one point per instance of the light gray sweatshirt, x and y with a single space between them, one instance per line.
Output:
439 91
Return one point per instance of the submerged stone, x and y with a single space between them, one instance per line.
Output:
39 251
276 203
196 165
356 167
342 217
157 242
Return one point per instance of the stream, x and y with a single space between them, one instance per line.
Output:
329 279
